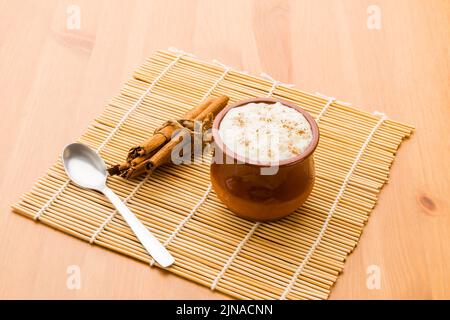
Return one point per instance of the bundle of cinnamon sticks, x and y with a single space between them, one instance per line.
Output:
157 150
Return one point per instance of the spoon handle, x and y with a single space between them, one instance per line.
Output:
148 240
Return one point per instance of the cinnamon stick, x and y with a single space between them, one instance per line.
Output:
158 159
164 135
119 168
213 108
157 150
163 155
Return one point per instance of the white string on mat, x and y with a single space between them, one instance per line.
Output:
333 207
113 132
216 83
325 108
275 83
264 75
330 101
180 52
50 201
204 197
234 255
323 96
256 224
209 188
139 101
186 219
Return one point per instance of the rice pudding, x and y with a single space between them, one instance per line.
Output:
265 132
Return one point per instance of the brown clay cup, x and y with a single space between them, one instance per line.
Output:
251 195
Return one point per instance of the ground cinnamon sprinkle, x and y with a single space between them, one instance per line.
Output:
240 121
294 150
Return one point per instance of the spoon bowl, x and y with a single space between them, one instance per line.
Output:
84 167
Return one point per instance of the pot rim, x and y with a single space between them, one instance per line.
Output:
291 161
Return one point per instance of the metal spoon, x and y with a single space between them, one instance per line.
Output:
87 170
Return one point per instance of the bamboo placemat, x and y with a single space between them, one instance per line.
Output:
298 257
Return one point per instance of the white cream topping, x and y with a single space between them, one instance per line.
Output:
265 132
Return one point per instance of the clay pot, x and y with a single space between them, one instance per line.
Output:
245 186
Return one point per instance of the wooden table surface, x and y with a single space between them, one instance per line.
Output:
54 80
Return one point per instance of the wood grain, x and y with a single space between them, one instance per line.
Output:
53 81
